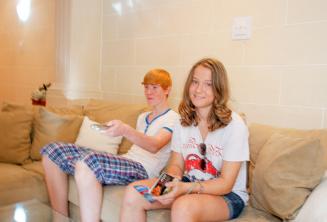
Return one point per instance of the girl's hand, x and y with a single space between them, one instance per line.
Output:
177 189
117 128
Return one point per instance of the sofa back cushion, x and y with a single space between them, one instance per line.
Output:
287 169
15 142
104 111
50 127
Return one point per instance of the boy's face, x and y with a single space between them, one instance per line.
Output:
155 94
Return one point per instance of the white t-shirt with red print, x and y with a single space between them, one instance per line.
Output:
229 143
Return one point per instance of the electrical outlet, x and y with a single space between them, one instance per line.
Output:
241 28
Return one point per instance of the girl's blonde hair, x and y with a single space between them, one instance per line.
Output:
158 76
220 115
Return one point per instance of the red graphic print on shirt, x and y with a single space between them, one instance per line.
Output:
193 159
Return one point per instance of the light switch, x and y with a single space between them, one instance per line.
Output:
241 28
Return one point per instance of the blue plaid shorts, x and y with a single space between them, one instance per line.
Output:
108 168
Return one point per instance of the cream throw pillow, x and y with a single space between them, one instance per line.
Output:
15 140
50 127
104 111
286 171
314 208
96 140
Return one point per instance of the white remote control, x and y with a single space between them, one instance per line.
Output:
100 127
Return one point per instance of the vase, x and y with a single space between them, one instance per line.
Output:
40 102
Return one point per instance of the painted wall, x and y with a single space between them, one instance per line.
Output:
27 49
278 77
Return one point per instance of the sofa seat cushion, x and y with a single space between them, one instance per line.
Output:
35 166
250 214
18 184
112 200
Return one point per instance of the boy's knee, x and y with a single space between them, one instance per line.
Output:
81 170
47 163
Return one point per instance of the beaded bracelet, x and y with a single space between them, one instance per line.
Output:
190 189
201 187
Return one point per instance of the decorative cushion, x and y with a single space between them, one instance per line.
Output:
104 111
314 208
96 140
15 142
50 127
259 135
286 171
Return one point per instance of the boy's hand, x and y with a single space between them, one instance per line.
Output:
117 128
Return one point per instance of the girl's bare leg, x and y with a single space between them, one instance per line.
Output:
135 205
199 207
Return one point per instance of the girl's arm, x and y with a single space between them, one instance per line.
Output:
175 166
221 185
150 143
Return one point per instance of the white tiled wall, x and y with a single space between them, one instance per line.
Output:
277 77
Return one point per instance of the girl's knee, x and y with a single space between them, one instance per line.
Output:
130 196
182 208
182 202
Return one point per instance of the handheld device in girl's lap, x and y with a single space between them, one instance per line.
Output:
144 190
157 189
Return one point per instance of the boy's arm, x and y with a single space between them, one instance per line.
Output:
150 143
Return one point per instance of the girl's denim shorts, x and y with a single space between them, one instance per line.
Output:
235 204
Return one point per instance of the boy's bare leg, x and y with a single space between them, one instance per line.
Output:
57 185
90 193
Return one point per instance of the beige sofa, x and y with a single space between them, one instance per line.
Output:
286 164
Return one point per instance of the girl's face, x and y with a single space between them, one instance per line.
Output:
201 89
155 94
